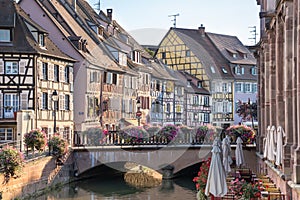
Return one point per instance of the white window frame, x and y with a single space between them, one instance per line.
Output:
11 67
6 134
247 87
10 104
239 87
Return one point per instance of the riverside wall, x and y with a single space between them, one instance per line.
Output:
38 176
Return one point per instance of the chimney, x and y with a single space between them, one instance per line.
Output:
109 13
201 30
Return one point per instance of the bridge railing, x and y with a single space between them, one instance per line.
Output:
115 138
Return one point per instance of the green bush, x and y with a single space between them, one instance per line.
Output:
58 145
12 161
35 139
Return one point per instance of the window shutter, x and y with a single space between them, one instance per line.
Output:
61 102
40 69
61 73
22 65
131 105
71 101
24 101
50 101
71 75
50 71
1 67
40 100
229 87
1 105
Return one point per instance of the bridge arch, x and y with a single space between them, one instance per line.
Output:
168 161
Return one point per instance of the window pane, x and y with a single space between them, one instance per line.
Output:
9 134
5 35
11 67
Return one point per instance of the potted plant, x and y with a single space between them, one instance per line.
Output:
201 178
244 190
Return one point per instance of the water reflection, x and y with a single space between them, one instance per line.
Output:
117 189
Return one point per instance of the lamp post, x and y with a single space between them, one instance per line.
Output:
54 99
138 112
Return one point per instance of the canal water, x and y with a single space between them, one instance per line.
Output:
115 188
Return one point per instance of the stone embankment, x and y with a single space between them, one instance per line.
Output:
38 176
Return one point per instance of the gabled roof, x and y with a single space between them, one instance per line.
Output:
193 81
74 27
227 43
206 52
23 41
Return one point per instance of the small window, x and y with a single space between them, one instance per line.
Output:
237 69
45 101
247 87
206 117
187 53
67 102
41 40
199 84
212 69
163 55
254 70
11 67
56 73
234 55
45 71
67 74
5 35
238 87
115 78
224 70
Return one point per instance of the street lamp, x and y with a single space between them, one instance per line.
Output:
138 112
54 99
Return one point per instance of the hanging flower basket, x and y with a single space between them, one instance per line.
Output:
167 133
246 133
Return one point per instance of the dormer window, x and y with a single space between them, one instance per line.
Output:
5 35
212 69
254 70
224 70
189 83
136 56
199 84
237 70
41 40
234 55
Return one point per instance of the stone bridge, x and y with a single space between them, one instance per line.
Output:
166 159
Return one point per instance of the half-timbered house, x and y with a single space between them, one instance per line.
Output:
32 69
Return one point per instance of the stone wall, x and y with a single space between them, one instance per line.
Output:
37 174
287 187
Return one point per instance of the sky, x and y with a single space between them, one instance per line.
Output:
228 17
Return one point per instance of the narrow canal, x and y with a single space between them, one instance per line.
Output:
117 189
